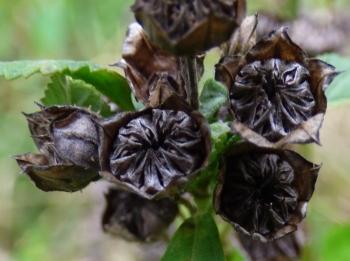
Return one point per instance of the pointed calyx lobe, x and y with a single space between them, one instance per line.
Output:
153 74
275 89
134 218
155 149
264 193
189 27
68 139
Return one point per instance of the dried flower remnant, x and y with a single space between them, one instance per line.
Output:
152 150
275 88
137 219
264 194
287 248
68 139
153 74
189 27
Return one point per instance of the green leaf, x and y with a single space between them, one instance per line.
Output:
222 139
219 129
213 96
18 69
339 91
105 80
197 239
64 90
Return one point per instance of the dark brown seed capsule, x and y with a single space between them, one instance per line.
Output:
275 89
153 150
189 27
66 134
68 139
287 248
264 194
272 97
153 74
137 219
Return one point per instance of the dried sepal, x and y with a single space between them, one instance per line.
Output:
244 38
49 176
287 248
192 26
276 90
277 45
134 218
153 74
156 149
264 193
66 134
234 50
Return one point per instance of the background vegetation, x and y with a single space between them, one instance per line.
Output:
56 226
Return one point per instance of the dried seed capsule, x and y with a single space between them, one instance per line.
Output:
275 89
137 219
189 27
153 74
272 97
49 176
152 150
287 248
264 193
68 139
68 134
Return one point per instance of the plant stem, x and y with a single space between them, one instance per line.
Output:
191 81
185 202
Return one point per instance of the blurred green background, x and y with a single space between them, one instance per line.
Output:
56 226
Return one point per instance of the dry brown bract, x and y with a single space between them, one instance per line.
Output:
155 149
189 27
153 74
276 91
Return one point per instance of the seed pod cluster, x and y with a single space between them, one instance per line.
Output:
148 153
277 98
